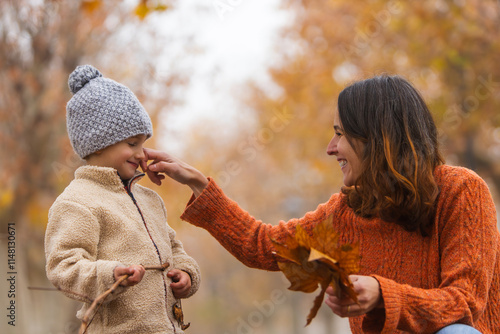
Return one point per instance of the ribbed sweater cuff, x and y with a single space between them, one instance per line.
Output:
393 303
207 207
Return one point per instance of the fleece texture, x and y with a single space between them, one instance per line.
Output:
427 283
95 226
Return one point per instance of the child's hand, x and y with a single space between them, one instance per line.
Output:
136 273
181 283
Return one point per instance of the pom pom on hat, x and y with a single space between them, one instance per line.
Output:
81 76
102 112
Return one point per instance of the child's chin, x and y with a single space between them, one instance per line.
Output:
127 175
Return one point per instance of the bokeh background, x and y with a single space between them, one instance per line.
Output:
244 91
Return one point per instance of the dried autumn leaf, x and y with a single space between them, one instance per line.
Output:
179 316
341 281
315 254
349 258
305 276
289 251
319 299
303 239
308 261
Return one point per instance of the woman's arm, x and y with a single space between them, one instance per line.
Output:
241 234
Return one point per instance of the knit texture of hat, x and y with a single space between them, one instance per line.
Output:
102 112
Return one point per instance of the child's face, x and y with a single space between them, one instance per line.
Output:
123 156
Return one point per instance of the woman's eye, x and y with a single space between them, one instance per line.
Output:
338 134
132 144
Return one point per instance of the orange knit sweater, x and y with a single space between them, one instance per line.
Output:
427 283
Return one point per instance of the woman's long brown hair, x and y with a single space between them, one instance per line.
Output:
400 154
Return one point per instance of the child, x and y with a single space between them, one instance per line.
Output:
104 225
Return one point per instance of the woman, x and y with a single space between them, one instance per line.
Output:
427 232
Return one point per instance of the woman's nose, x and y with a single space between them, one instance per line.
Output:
331 149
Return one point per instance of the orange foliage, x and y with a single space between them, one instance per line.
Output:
145 7
449 50
309 261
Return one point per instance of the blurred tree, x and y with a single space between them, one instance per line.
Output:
448 49
41 43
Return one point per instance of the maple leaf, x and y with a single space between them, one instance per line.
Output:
317 260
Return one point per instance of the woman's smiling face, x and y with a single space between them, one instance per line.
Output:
347 156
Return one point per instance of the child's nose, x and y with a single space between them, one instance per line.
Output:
139 155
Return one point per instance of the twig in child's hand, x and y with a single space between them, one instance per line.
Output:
98 302
162 267
100 299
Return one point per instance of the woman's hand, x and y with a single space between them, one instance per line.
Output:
174 168
181 283
369 297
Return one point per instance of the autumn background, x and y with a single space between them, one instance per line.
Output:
262 138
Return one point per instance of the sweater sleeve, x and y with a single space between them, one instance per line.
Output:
468 245
185 263
245 237
71 241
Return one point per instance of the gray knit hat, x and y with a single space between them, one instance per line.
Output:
102 112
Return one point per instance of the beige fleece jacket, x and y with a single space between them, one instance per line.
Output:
95 226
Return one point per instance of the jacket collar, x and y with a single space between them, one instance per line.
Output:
106 176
